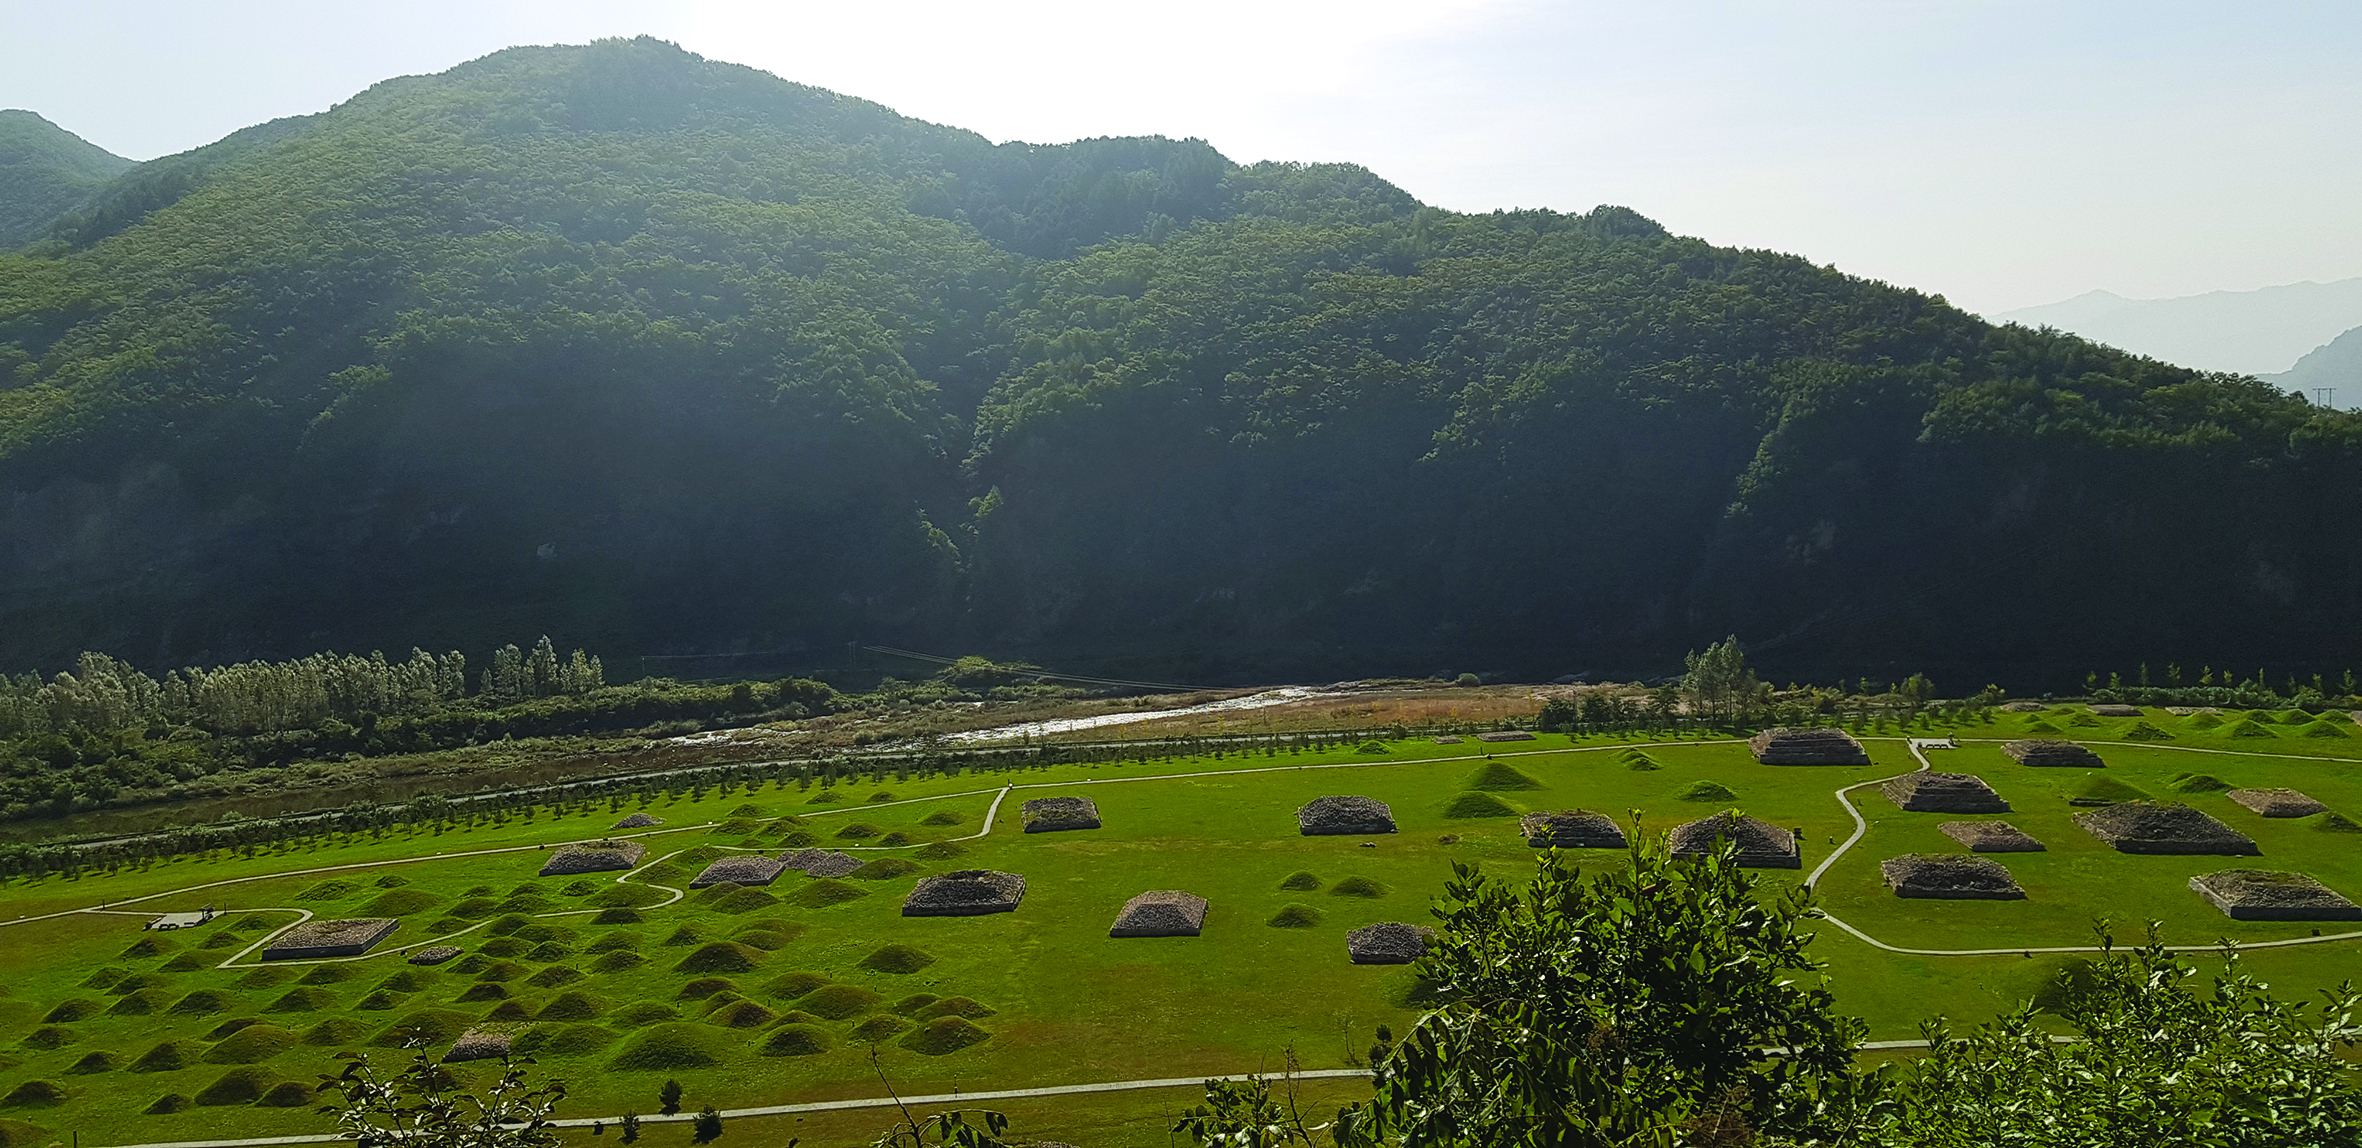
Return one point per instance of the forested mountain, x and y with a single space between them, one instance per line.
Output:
45 170
664 355
2336 365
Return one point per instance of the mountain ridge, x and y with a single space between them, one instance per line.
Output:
661 355
44 171
2259 332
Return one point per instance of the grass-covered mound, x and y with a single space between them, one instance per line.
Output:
252 1045
35 1094
883 869
790 986
617 961
705 987
898 959
237 1086
743 901
563 1040
2334 823
1294 916
426 1026
617 917
49 1038
839 1001
1706 791
335 1032
67 1012
95 1062
2102 788
2144 731
769 935
1301 881
1499 776
2323 730
859 831
1475 805
721 957
1358 887
18 1134
671 1047
880 1028
2203 721
169 1056
1634 759
2249 728
942 817
2197 783
640 1014
940 851
798 1040
825 892
741 1014
398 903
944 1035
571 1006
953 1006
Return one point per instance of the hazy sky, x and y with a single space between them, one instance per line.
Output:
2002 153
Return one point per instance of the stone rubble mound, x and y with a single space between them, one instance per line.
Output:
1344 816
1992 837
1930 792
1387 943
1950 877
594 857
348 937
830 863
639 821
2109 710
1822 746
1572 829
2023 707
1505 735
1051 814
2259 895
478 1046
965 893
1762 845
751 869
2042 751
2163 827
1161 913
2277 802
434 954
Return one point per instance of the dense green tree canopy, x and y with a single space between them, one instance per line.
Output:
677 356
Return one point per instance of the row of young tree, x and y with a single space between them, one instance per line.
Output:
102 694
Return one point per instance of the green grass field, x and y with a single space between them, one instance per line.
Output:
779 995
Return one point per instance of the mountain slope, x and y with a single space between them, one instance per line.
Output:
2336 364
2248 332
45 170
661 355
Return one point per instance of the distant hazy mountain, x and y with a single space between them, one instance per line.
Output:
45 170
2251 332
2337 364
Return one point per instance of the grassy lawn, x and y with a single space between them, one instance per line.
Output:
617 1008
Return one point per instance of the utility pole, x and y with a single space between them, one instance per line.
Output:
2325 396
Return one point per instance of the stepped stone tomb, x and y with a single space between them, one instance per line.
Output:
478 1046
1822 746
1762 845
2051 752
1387 943
2163 827
1572 829
752 869
2116 711
1505 735
312 940
2277 802
2259 895
1930 792
1161 913
1992 837
1344 816
434 954
638 821
965 893
1052 814
1950 877
594 857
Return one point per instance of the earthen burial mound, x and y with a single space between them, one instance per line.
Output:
965 893
1762 845
2051 752
2162 827
594 857
1992 837
2277 802
830 863
1928 792
1386 943
1572 829
1821 746
434 954
1344 816
753 869
2259 895
1161 913
1950 877
1052 814
349 937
